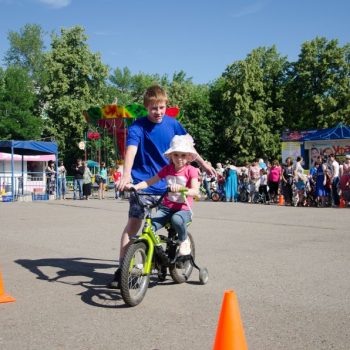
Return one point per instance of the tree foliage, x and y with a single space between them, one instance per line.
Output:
196 116
318 86
17 101
76 80
248 100
26 50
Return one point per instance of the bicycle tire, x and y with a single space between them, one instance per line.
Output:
215 196
256 198
133 283
243 197
181 272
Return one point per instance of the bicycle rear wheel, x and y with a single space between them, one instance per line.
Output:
133 281
180 272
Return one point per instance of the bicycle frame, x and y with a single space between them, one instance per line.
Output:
146 252
152 239
148 235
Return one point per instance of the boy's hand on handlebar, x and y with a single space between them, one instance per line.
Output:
129 186
125 180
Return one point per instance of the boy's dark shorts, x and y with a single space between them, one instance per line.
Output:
135 210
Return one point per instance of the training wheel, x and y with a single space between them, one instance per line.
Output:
203 275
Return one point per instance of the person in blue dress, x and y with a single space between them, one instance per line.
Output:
321 192
231 184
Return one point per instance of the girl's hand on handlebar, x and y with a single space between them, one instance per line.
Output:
177 188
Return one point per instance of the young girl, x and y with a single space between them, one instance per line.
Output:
179 175
263 184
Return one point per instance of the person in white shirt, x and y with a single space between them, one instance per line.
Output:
61 190
334 169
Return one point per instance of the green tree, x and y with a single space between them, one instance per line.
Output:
76 80
248 100
195 111
27 50
17 101
130 88
318 89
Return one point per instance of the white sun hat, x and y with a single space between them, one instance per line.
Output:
184 144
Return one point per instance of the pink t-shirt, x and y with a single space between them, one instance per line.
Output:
182 177
275 174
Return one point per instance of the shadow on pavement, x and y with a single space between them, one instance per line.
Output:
79 272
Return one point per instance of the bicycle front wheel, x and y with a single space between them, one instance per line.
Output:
180 272
133 281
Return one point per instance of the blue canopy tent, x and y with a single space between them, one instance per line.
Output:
27 148
313 143
339 132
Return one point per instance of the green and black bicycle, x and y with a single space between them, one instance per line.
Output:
150 252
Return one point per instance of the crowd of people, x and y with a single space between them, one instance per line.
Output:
325 184
84 181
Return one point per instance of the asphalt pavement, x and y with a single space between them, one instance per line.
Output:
288 266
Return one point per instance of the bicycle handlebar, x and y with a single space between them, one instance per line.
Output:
156 203
150 205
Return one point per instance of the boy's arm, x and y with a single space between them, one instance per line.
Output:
204 165
208 169
128 163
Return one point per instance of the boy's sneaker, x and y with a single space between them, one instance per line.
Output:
115 283
185 247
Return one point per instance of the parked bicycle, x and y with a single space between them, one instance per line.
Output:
218 195
149 252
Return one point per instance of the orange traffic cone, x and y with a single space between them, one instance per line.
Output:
281 200
341 202
230 334
4 298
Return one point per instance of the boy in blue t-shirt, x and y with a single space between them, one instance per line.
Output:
148 138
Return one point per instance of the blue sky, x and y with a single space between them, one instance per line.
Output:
200 37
